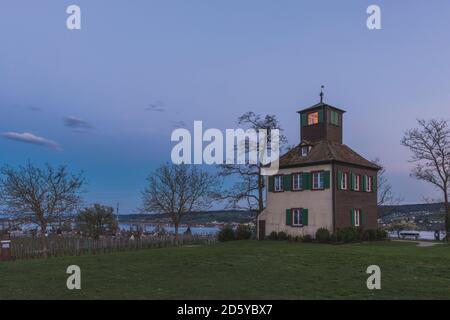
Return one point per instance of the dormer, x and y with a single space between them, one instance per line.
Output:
321 122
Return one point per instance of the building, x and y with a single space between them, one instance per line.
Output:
322 183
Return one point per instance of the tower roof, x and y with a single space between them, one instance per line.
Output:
318 105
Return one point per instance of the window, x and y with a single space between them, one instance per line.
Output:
334 118
278 183
297 181
356 217
305 151
356 182
313 118
297 217
368 184
344 180
318 181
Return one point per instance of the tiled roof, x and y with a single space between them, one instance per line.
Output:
320 104
324 151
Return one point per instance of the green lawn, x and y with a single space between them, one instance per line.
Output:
239 270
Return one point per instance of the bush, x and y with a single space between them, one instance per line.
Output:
243 232
350 234
369 235
226 234
381 234
323 235
282 236
273 235
307 238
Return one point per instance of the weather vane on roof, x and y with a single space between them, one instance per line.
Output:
321 93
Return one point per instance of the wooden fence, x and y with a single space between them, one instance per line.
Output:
57 246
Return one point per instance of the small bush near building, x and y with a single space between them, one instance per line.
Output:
307 238
323 235
243 232
273 235
347 235
226 234
369 235
381 234
282 236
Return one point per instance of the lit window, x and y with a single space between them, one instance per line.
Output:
344 180
318 181
368 184
278 183
357 217
297 217
356 182
297 181
313 118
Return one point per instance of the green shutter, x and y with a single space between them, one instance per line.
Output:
339 180
288 217
287 182
352 217
320 116
305 217
304 120
364 182
374 183
352 181
306 180
363 219
326 179
270 183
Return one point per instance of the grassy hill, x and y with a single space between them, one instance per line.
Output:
239 270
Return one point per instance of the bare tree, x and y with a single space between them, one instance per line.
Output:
97 220
386 196
248 187
178 190
40 196
430 147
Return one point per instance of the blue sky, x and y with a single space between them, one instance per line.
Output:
87 91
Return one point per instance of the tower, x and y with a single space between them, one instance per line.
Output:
321 122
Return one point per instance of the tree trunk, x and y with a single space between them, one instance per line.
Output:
44 240
176 230
447 215
260 199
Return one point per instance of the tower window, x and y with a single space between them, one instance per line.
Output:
334 118
313 118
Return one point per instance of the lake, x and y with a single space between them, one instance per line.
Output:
195 230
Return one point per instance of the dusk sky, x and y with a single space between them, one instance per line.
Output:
105 99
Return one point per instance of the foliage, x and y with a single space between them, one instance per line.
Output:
178 190
97 221
430 148
226 234
273 235
282 236
243 232
323 235
307 238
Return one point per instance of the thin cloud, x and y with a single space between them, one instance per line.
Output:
27 137
156 106
179 124
76 123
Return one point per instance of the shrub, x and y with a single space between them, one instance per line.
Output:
273 235
323 235
282 236
307 238
243 232
226 234
369 235
350 234
381 234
